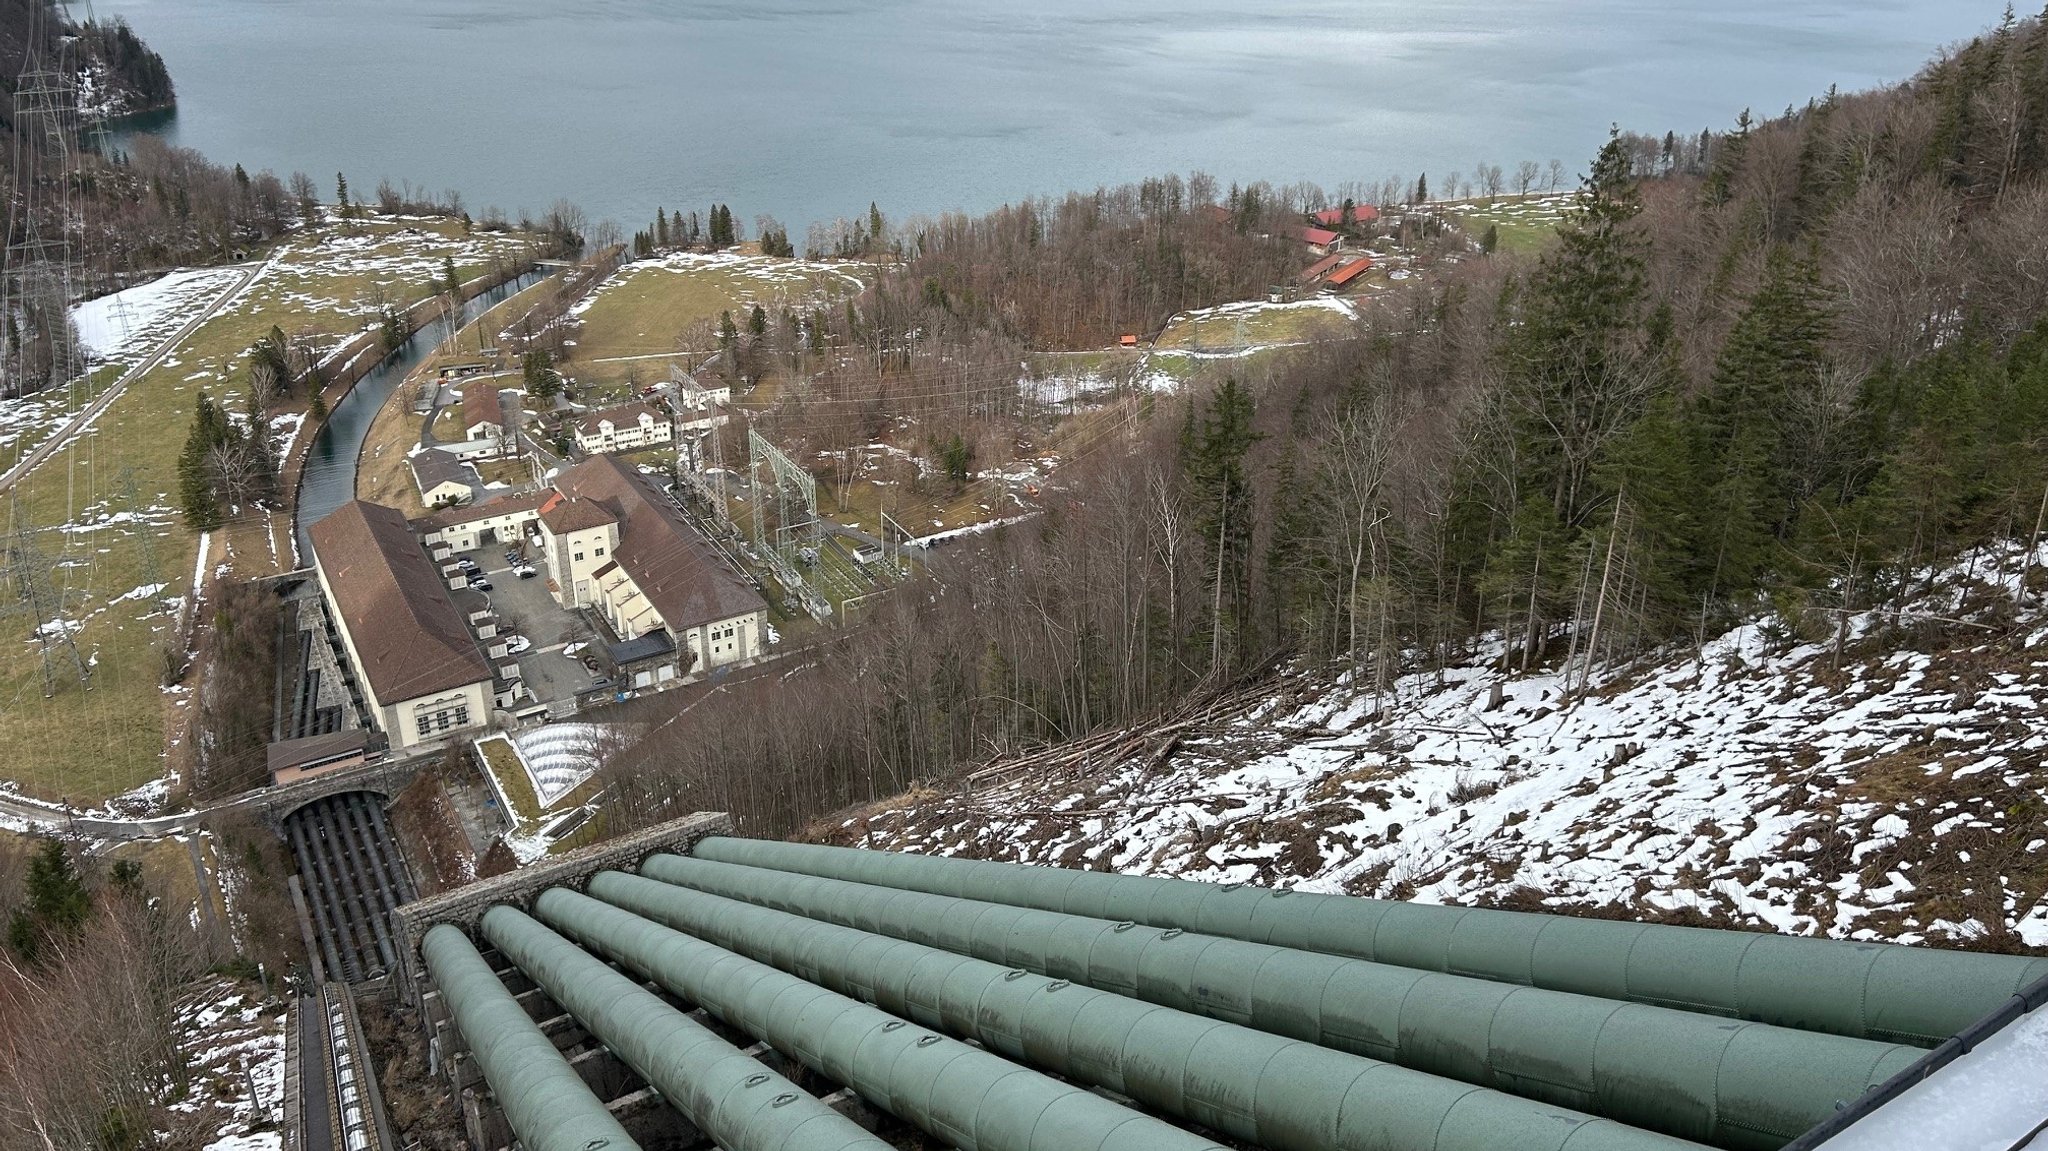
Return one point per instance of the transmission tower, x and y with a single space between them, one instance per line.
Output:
793 542
39 267
145 540
28 587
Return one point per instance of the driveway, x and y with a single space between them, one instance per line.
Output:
525 607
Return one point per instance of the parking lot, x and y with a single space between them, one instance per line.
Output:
524 607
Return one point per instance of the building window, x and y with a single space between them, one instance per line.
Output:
600 551
579 557
441 719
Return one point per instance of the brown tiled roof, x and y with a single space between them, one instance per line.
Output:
625 415
409 634
480 404
489 509
673 566
570 514
433 467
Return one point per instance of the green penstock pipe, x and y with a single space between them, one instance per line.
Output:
1263 1089
1884 991
962 1095
731 1097
1737 1085
543 1098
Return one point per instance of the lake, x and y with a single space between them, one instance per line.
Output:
809 109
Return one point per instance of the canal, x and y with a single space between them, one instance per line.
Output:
329 477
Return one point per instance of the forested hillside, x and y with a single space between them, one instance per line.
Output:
119 75
1787 368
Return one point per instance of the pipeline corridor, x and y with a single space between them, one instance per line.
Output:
996 1024
354 877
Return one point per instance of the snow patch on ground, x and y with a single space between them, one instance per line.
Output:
129 324
234 1044
1753 783
774 276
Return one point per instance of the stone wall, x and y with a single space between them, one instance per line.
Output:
466 905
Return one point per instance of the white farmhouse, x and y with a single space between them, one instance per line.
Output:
623 429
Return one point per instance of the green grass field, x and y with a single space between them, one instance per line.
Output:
646 308
91 742
1528 225
1254 325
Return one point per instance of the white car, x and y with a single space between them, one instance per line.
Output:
516 644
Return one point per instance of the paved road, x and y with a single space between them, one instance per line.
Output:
51 817
92 411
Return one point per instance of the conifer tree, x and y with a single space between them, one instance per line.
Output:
1578 368
196 494
56 902
660 228
1219 485
1752 479
757 323
341 193
1729 153
537 369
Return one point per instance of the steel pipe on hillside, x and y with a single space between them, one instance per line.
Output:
1865 990
731 1097
543 1098
325 930
1279 1093
1738 1085
960 1094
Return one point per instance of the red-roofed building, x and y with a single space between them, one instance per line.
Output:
1360 214
1321 241
1321 268
1348 273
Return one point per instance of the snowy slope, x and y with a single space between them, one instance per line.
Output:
235 1047
1900 796
126 325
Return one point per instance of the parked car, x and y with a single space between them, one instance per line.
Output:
479 583
466 564
525 571
601 681
516 644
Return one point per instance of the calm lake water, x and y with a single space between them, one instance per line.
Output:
809 109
